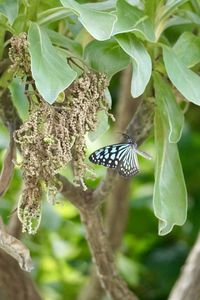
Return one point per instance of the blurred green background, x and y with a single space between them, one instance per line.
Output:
149 263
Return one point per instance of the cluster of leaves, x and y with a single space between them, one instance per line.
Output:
123 32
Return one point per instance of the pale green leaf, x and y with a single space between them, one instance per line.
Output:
168 105
187 48
141 62
132 19
185 80
50 71
106 57
145 29
98 23
105 5
9 8
151 8
170 6
170 195
175 21
52 15
19 99
127 17
190 15
101 128
62 41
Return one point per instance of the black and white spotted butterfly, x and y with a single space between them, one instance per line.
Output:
122 157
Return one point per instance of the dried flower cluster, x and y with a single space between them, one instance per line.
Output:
19 55
53 136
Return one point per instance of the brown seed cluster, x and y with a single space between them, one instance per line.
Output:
19 55
53 136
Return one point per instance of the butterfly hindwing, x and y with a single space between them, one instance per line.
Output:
129 166
109 156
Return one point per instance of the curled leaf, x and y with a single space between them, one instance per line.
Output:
8 166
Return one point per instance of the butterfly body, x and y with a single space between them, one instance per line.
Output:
122 157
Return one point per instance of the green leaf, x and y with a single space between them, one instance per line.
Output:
187 48
52 15
50 71
191 16
151 8
106 57
186 81
141 62
19 99
102 126
168 105
170 195
170 6
9 8
175 21
145 29
105 5
127 17
65 42
131 19
98 23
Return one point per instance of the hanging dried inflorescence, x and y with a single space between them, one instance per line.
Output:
19 55
53 136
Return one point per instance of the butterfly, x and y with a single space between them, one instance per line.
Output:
122 157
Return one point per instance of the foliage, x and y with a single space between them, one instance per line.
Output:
66 40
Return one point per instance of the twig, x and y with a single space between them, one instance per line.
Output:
15 248
4 64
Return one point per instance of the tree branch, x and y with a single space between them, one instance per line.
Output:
103 256
15 283
187 286
15 248
114 187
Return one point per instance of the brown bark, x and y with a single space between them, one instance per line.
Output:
15 283
187 286
103 256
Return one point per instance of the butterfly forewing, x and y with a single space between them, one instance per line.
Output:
109 156
129 166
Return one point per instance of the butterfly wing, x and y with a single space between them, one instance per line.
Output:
128 165
109 156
